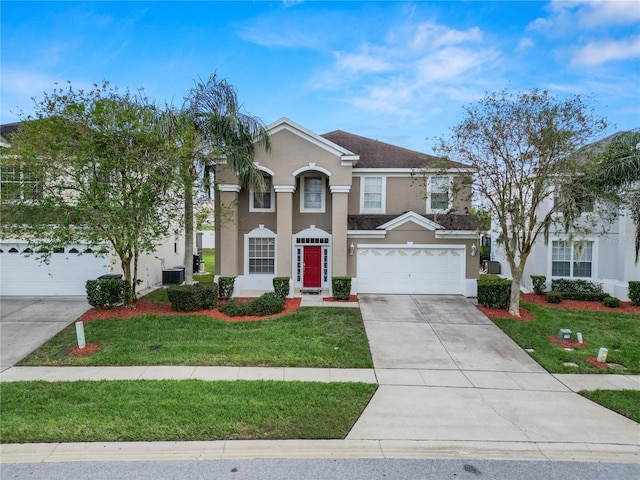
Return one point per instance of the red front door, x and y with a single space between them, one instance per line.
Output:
312 267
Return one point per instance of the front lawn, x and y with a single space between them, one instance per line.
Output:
625 402
109 411
618 332
307 337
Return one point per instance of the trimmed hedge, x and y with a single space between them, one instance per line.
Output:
634 292
565 285
199 296
585 296
554 297
225 287
494 293
341 287
266 304
539 283
107 292
611 302
281 286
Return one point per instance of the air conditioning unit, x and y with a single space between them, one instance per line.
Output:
493 267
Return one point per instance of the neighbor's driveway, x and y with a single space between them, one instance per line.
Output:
447 373
28 322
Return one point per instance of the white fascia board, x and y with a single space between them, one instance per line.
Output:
229 188
411 217
359 172
462 234
441 171
452 246
286 124
366 233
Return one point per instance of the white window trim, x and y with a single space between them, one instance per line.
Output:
260 232
450 192
253 208
594 257
323 193
382 208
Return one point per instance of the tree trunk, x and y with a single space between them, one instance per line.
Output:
126 269
188 227
514 302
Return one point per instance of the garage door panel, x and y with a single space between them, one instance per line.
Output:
64 274
427 270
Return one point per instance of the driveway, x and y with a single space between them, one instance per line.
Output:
447 373
28 322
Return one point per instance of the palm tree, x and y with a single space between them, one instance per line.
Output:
212 124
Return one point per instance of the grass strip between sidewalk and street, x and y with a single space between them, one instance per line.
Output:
308 337
169 410
618 332
625 402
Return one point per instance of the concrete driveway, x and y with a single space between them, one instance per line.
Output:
28 322
447 373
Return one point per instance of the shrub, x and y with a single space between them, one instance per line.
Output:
539 283
226 286
281 286
554 297
575 286
494 293
266 304
199 296
107 292
341 287
634 292
611 302
585 296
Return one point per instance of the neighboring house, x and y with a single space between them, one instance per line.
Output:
23 273
343 205
605 256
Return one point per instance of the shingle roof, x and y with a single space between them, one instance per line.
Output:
377 154
6 129
448 221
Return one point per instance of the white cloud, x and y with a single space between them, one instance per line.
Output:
568 16
451 64
432 35
360 63
525 44
598 52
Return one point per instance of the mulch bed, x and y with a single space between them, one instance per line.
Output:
88 349
625 307
352 298
143 307
566 344
594 361
525 316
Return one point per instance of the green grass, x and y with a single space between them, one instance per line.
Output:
625 402
308 337
618 332
105 411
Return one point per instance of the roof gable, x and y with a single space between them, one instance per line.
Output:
410 217
377 154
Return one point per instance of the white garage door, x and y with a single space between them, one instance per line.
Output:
66 273
426 269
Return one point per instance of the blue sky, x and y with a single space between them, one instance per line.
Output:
399 72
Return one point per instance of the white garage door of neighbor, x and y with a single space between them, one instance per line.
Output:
426 269
65 274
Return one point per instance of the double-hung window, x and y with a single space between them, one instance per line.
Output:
312 197
18 184
262 254
263 201
569 260
372 194
439 195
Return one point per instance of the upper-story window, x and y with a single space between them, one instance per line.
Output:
313 194
372 194
18 184
439 194
263 201
585 204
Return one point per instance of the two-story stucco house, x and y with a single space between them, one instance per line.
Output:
340 204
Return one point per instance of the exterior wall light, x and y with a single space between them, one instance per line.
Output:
352 249
474 249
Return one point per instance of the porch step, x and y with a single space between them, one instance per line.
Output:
311 291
